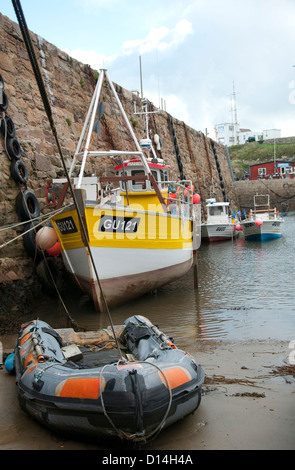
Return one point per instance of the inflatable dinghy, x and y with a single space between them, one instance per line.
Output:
83 384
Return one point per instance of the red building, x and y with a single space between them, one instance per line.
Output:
272 170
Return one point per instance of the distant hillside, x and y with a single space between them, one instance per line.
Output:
254 152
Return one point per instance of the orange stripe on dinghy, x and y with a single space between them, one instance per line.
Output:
79 388
30 359
24 338
176 376
31 368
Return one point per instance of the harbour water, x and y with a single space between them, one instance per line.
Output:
237 324
245 291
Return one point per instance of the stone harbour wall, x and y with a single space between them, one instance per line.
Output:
281 193
70 85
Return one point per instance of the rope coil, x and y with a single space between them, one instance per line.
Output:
137 437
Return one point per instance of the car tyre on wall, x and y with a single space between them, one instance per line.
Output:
27 205
19 172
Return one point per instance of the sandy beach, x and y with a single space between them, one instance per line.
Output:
247 403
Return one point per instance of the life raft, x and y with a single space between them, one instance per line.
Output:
79 383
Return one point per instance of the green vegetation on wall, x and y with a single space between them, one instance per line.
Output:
242 156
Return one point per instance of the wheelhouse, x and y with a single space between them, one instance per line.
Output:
217 211
135 168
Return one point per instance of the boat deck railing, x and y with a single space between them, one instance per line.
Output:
180 204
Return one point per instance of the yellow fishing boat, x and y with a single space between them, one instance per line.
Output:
141 228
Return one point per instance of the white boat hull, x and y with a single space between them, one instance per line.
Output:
270 229
128 265
218 232
126 273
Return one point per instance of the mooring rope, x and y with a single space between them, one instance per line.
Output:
30 229
129 436
27 40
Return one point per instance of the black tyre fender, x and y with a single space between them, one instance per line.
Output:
13 148
4 105
8 127
19 172
27 205
49 276
29 240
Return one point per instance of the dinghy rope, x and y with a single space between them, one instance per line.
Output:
136 437
29 46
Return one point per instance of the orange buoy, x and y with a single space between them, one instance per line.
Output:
46 238
55 250
196 198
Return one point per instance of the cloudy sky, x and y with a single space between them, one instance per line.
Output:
192 51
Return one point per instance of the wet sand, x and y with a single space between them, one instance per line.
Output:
244 406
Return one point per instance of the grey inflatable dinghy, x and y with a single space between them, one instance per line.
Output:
80 383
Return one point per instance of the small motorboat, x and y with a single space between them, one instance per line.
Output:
220 225
263 222
127 381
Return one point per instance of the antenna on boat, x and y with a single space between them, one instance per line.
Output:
140 68
27 40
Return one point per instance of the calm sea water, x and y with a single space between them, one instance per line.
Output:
245 291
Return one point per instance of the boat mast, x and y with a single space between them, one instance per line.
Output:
92 107
146 113
89 123
128 124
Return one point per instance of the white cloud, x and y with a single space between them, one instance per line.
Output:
177 108
92 58
160 38
193 59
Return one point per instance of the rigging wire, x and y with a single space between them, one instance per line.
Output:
27 40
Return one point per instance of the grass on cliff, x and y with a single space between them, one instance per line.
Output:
242 156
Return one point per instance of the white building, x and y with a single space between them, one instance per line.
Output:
227 133
271 134
232 134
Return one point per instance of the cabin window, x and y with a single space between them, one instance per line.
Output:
155 175
122 183
138 185
216 210
164 175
